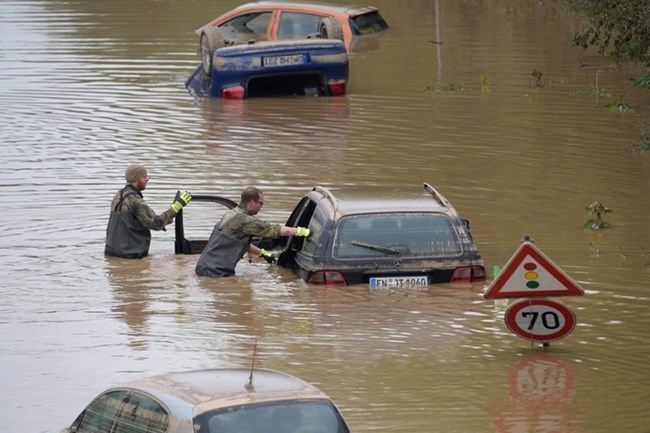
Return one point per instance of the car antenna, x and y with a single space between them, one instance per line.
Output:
249 385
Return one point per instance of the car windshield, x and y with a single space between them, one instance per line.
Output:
246 27
370 22
406 235
295 416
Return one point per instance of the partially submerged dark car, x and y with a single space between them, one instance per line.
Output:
391 239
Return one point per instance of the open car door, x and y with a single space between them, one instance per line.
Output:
185 245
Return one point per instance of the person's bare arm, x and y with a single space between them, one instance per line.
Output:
254 251
287 231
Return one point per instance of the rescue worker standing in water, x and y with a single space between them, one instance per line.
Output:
231 237
131 220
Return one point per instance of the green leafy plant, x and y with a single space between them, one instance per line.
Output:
561 80
593 92
486 83
537 75
642 81
448 87
620 105
618 27
597 210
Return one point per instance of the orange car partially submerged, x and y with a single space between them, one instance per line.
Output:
277 20
274 47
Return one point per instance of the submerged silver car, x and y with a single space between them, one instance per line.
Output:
212 401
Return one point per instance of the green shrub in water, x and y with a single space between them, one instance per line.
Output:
597 210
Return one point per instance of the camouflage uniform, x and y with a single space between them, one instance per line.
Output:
230 240
131 220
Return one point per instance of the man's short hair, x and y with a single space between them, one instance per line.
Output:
249 194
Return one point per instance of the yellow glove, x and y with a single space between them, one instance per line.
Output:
302 232
181 200
268 256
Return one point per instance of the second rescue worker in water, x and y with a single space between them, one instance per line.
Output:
131 220
231 237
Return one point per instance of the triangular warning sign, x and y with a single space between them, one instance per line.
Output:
530 273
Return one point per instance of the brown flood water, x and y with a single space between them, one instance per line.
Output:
88 87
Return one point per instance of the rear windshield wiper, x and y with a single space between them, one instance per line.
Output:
375 247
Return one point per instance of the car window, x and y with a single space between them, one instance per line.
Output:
295 416
193 225
141 414
315 227
298 25
426 234
122 412
246 27
370 22
101 413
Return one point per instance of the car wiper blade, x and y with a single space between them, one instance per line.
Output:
375 247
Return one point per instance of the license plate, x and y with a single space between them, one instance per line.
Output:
410 282
296 59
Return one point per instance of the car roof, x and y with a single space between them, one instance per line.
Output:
380 199
218 388
352 10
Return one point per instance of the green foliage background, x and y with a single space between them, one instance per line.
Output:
620 28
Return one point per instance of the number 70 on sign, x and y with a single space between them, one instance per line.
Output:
540 320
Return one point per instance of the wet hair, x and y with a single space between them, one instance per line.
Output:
249 194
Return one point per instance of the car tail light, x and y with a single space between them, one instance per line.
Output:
235 92
329 278
336 87
468 274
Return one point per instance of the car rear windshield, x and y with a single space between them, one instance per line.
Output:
415 235
280 417
370 22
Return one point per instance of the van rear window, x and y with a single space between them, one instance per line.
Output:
406 235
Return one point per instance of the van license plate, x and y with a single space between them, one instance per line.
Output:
410 282
297 59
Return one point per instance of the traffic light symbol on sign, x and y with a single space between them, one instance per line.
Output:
530 273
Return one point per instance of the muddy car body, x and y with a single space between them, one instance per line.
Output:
278 52
381 238
281 20
212 401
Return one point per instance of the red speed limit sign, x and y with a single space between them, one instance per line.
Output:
540 320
